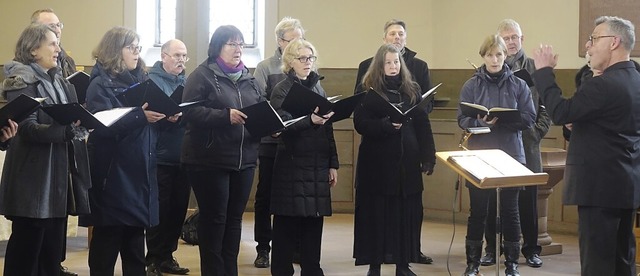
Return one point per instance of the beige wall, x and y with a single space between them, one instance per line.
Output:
345 32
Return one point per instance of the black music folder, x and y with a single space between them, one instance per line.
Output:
505 115
19 109
80 81
301 101
68 113
149 92
525 76
263 120
379 105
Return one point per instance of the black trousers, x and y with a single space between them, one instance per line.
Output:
262 205
309 231
173 195
109 241
222 197
483 200
35 247
607 243
528 210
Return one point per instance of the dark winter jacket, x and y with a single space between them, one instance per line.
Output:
210 139
305 154
123 157
268 74
169 134
35 178
390 160
507 91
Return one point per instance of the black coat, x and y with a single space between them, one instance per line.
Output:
602 161
35 178
123 158
210 138
305 154
390 160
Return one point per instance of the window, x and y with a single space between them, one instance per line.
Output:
165 20
240 13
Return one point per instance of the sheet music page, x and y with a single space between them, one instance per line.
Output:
108 117
476 166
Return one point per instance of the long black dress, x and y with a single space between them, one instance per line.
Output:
389 184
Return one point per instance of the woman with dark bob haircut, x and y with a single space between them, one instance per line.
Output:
218 153
124 198
46 170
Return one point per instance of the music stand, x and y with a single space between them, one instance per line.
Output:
491 169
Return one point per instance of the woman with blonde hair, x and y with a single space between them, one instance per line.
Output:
305 169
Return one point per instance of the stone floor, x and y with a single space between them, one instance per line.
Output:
337 251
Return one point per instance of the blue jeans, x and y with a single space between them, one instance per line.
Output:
222 196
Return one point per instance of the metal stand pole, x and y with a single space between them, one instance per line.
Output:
498 232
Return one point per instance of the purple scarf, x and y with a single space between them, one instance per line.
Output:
229 70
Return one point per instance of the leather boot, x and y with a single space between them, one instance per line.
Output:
489 257
403 270
474 251
511 255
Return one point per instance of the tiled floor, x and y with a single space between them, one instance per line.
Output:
337 251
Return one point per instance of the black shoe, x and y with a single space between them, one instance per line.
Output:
153 270
373 271
424 259
534 261
65 272
403 270
171 266
262 260
488 259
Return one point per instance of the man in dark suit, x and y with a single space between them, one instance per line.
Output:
601 174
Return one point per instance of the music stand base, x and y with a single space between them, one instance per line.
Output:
551 249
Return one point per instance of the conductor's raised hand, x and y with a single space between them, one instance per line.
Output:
544 57
319 119
152 116
236 117
9 131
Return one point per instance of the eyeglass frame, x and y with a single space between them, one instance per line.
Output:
511 38
56 25
133 49
592 38
307 59
178 59
236 45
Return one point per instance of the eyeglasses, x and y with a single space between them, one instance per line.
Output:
592 38
178 57
307 59
56 25
134 49
511 38
236 45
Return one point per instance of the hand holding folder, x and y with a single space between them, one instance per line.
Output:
149 92
301 101
263 120
376 103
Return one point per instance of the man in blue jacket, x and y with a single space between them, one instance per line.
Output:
162 240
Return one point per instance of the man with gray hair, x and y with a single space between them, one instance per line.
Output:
601 174
516 59
47 17
268 73
173 189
